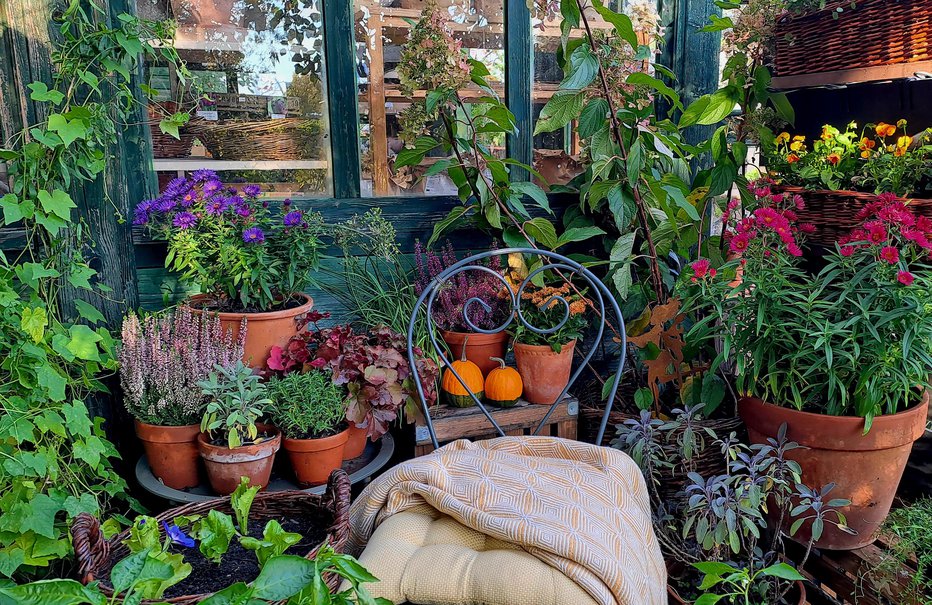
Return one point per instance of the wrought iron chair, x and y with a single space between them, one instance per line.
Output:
551 261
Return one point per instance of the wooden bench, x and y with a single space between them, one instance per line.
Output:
452 423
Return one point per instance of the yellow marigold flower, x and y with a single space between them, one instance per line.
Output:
797 146
901 123
799 137
783 137
890 147
866 153
904 141
826 133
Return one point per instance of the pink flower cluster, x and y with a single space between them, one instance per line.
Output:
889 230
773 222
702 269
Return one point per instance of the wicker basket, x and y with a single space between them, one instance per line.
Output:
165 145
285 139
874 33
96 556
833 212
708 463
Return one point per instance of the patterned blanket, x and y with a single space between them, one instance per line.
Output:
580 508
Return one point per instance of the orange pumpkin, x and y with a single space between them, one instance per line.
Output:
503 385
457 394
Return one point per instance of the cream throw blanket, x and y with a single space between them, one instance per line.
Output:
580 508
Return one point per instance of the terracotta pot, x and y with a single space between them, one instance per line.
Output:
480 348
866 469
355 442
314 459
172 453
225 466
545 373
263 330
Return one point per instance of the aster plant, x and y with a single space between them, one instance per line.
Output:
854 339
164 357
243 254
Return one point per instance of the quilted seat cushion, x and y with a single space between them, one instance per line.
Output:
424 557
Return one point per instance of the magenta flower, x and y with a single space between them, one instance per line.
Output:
890 254
253 235
184 220
740 243
700 268
905 277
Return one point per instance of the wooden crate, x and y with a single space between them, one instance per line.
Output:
452 423
842 577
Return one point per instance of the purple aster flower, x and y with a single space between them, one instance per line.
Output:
252 190
212 186
202 176
216 206
183 220
176 188
253 235
293 218
165 204
265 204
244 211
236 200
141 216
177 535
286 203
188 199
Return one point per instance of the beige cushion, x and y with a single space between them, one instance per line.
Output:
424 557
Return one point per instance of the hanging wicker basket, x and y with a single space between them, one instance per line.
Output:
96 555
285 139
874 33
165 145
833 212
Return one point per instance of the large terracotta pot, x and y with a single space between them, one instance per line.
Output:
866 469
480 348
544 372
314 459
172 453
355 442
263 330
225 466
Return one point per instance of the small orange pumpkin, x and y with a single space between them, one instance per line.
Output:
454 392
503 385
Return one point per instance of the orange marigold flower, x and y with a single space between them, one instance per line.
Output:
867 143
899 151
826 134
885 130
792 158
866 153
577 307
833 159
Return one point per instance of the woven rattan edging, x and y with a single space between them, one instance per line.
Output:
284 139
834 212
96 555
165 145
874 33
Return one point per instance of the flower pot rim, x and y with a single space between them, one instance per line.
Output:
473 336
204 444
147 425
328 442
258 316
547 347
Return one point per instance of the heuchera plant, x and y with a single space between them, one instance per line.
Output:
231 245
855 339
373 366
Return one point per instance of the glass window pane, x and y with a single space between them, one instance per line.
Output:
258 90
382 27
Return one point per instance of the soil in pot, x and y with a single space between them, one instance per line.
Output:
225 466
544 372
356 442
172 453
480 348
239 564
314 458
866 469
264 330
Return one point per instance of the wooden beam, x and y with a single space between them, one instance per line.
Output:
519 76
340 55
877 73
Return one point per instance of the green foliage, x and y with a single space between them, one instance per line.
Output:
56 461
910 528
307 405
241 501
214 533
237 401
739 585
275 541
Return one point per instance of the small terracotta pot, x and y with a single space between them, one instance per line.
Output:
480 348
225 466
866 469
355 442
263 330
314 459
172 453
545 373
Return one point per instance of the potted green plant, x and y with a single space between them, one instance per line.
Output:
232 442
248 262
545 360
163 358
310 411
448 306
842 357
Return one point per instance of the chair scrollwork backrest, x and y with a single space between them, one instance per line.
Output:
569 270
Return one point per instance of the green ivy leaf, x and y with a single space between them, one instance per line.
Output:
57 202
34 322
89 312
41 92
83 342
53 382
90 450
14 210
68 130
39 515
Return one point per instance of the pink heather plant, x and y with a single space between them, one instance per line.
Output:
448 306
162 359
